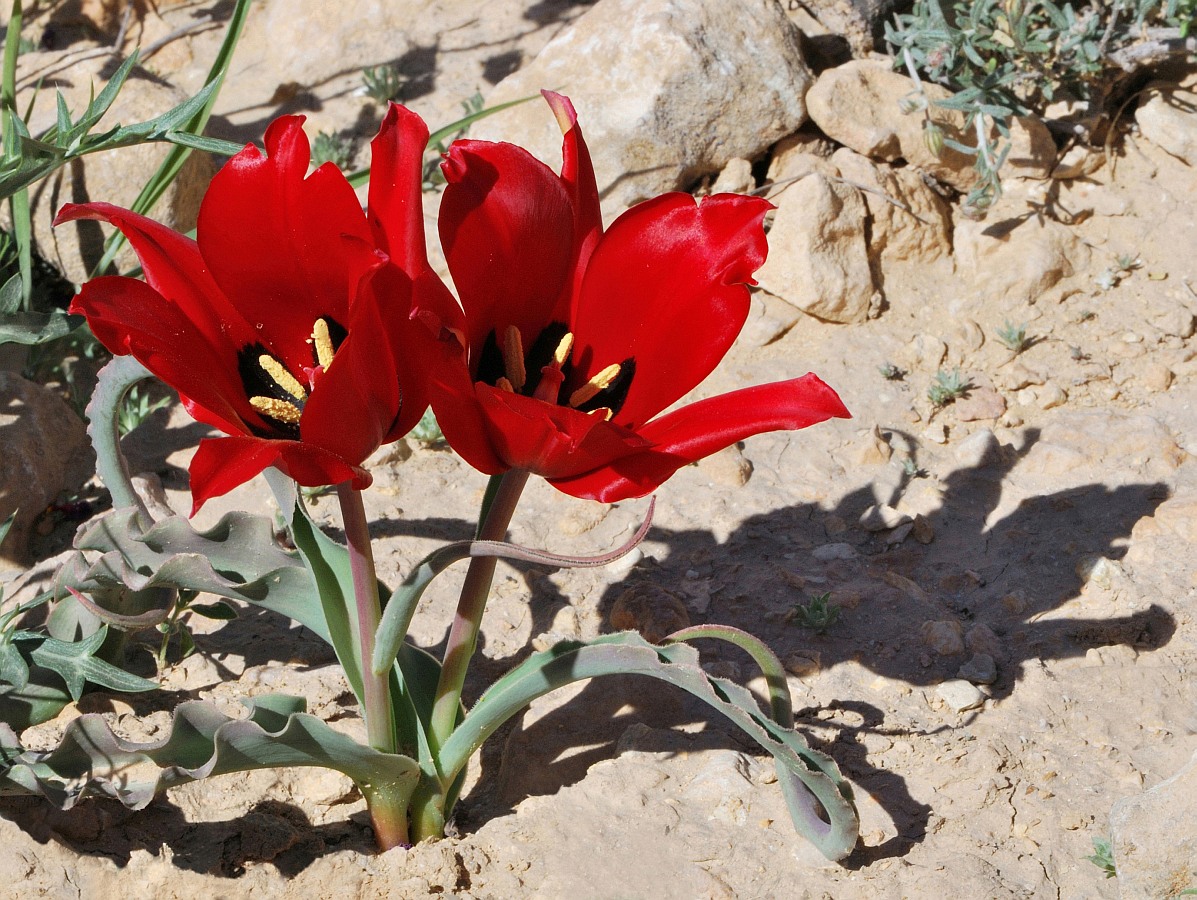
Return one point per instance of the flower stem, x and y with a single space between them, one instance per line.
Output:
463 636
376 699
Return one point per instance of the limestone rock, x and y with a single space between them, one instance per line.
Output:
650 610
115 176
982 403
857 105
818 260
43 447
945 637
1154 837
1165 118
908 220
666 90
960 695
323 41
1032 149
1015 254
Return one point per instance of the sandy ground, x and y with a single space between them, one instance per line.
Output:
1052 546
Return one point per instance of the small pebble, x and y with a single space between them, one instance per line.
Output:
980 669
960 695
834 551
1052 395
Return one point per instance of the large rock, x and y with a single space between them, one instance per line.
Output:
858 105
666 91
909 221
115 176
1017 254
818 258
1154 836
1165 117
43 448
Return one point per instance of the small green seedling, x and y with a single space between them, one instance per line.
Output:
383 83
911 469
947 387
337 149
1014 337
890 372
1103 856
819 614
138 407
1128 262
428 430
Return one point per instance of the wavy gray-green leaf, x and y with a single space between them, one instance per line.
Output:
237 558
819 799
92 761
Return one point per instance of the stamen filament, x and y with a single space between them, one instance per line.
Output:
323 342
598 383
279 410
282 377
513 357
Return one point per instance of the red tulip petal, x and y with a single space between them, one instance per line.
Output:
221 464
455 403
396 209
577 174
130 317
702 428
666 287
549 440
173 267
506 225
274 240
356 400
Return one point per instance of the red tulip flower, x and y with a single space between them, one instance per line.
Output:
578 339
294 323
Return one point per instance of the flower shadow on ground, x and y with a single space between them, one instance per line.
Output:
962 577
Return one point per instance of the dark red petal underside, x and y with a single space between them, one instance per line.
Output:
549 440
666 287
700 429
356 400
275 240
454 398
395 209
173 267
577 174
129 317
506 225
221 464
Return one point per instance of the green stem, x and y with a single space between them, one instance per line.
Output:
463 635
376 689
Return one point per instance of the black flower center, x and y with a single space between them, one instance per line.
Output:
273 390
505 364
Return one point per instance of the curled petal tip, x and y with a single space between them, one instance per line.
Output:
562 108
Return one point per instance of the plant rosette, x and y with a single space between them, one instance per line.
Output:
310 332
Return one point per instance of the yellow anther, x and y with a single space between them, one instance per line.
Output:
282 377
561 354
323 341
590 389
604 411
279 410
504 385
513 357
